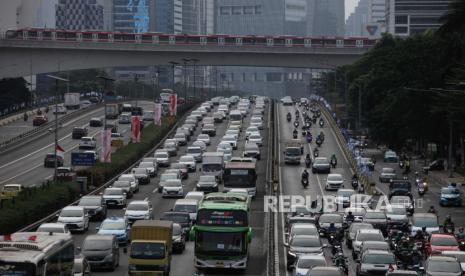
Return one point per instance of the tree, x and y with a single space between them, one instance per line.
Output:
13 91
454 19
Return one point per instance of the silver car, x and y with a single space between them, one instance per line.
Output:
442 265
375 262
321 165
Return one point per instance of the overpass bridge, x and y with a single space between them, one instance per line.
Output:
35 51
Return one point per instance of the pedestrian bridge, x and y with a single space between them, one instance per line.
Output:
35 51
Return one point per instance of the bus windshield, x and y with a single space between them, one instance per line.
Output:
17 269
215 243
239 178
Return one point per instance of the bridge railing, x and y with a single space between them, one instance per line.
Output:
186 39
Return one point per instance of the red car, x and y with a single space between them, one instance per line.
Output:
39 120
441 242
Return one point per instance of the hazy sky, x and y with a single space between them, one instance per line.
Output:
350 6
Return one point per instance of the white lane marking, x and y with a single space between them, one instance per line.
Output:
155 191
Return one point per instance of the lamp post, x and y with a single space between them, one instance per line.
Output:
185 60
173 64
194 60
105 81
57 79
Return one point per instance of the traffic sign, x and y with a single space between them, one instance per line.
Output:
82 159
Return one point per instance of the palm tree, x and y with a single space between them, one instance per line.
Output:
454 19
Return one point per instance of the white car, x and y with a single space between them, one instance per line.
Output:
189 160
162 157
75 218
172 188
306 262
334 181
200 144
226 149
87 142
197 195
255 138
137 210
256 121
149 167
363 235
231 140
94 152
142 175
187 205
196 152
132 179
114 197
233 132
204 138
125 185
250 130
54 228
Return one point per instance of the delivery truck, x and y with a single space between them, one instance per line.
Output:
112 111
72 100
151 247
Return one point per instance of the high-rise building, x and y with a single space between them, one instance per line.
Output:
377 11
79 15
358 19
404 18
329 18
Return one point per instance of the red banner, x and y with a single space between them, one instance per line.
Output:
135 127
105 156
157 114
173 104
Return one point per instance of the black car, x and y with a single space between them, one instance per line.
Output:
79 132
95 122
112 126
377 219
179 238
95 207
399 187
49 161
181 218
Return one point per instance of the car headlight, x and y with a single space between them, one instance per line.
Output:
109 257
178 239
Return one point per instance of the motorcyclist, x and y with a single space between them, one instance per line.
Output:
308 159
449 225
419 235
460 234
316 152
350 217
405 244
432 210
295 132
289 116
333 157
407 165
25 116
305 174
301 149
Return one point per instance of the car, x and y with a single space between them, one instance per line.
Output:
306 262
399 187
450 196
302 229
149 167
184 170
142 175
94 206
49 160
113 127
181 138
209 129
85 103
353 228
390 157
343 197
401 272
197 195
200 144
179 238
196 152
114 197
75 218
125 118
377 219
219 116
375 262
405 201
239 191
189 161
363 235
374 245
251 150
357 212
420 220
60 109
441 242
171 148
87 142
233 132
132 180
185 131
302 244
250 130
165 177
172 188
187 205
148 115
387 174
95 122
39 120
321 165
255 138
459 255
334 181
204 138
325 271
162 157
10 191
94 153
397 216
101 251
231 140
182 218
367 162
325 221
79 132
117 226
138 209
442 265
207 184
57 227
256 121
125 185
81 266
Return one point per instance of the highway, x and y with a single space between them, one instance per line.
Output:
25 165
182 264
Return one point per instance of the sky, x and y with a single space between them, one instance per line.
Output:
350 6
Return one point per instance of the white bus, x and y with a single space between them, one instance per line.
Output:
36 254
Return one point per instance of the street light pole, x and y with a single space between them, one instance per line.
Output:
105 80
185 60
57 79
173 63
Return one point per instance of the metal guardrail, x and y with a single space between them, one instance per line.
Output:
363 179
269 217
52 216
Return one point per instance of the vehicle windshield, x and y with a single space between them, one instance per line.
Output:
121 184
220 243
71 213
425 221
450 191
343 193
140 170
328 218
443 241
388 170
401 200
255 136
194 150
10 188
168 176
375 215
146 165
229 138
90 201
309 263
97 245
378 259
304 231
252 129
356 226
207 178
396 210
161 155
186 159
293 151
334 178
113 192
126 178
321 161
172 184
112 225
370 237
189 208
151 251
306 241
203 137
443 266
137 207
239 178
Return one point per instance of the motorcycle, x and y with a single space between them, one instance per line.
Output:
401 164
308 162
296 123
318 141
315 153
461 241
354 184
294 135
309 138
25 117
449 228
289 117
333 162
421 190
304 182
321 123
340 261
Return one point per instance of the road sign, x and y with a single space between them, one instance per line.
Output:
82 159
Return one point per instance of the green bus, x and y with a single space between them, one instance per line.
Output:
222 233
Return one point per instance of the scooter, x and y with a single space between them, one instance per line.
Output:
308 162
296 123
294 135
401 164
305 182
309 138
333 162
421 190
318 141
315 153
321 123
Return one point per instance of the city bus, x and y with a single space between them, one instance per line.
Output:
240 175
222 233
36 254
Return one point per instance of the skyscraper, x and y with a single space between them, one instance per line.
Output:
79 15
133 16
329 18
358 19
